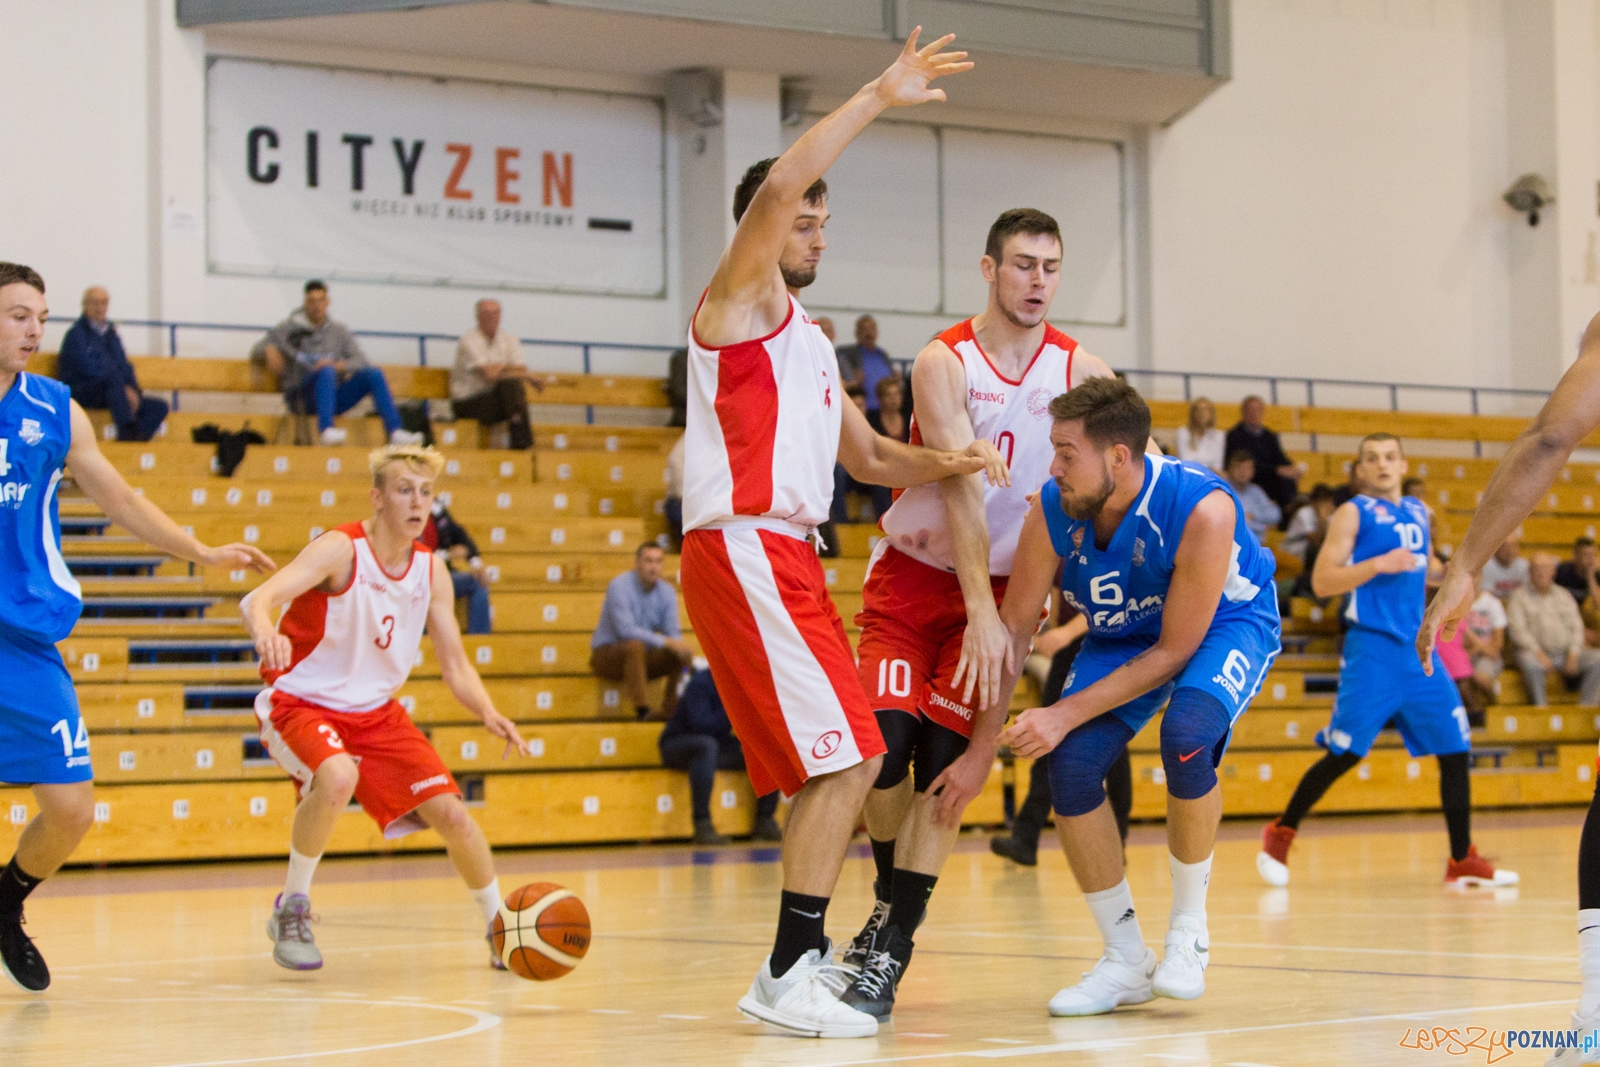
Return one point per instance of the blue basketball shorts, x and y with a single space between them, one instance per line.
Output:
43 740
1379 680
1230 664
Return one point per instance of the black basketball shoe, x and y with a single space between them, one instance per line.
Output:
19 956
873 989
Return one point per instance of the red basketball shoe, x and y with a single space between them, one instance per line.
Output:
1272 862
1474 870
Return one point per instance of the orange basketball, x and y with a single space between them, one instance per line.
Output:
541 931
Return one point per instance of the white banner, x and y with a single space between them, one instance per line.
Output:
338 174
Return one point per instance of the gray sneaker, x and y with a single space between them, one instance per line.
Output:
290 930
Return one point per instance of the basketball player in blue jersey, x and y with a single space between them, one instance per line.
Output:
43 742
1377 553
1182 611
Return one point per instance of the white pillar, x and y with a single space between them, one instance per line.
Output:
1554 124
711 162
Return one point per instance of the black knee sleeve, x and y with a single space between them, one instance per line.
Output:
937 747
900 742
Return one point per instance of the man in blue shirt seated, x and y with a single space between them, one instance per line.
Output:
639 639
699 740
95 367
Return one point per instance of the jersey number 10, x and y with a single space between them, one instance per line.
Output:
1410 536
1006 443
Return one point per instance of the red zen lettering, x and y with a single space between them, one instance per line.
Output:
558 181
452 184
504 176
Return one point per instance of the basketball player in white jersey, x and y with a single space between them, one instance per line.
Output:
359 597
767 421
933 651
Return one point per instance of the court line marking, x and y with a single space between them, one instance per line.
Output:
482 1021
1133 1039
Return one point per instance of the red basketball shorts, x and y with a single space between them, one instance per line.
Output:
778 653
399 768
912 620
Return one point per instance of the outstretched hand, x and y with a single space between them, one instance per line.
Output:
506 730
1445 612
906 81
982 457
234 556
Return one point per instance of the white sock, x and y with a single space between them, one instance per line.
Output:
1589 960
1189 882
488 900
1119 924
301 868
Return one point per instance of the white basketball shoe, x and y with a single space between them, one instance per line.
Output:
1572 1057
1182 974
1111 984
805 1000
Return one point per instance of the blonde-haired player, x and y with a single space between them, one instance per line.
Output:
358 599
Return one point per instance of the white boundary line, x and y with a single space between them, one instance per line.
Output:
482 1021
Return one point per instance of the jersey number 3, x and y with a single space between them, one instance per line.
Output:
388 632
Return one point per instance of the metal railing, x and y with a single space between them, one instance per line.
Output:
1277 388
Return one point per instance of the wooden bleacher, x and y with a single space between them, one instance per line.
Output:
166 681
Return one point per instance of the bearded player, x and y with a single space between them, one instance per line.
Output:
933 651
359 597
767 422
43 741
1182 611
1531 465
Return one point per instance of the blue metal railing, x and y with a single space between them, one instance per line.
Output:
1276 386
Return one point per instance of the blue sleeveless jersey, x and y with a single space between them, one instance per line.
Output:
39 598
1390 603
1121 589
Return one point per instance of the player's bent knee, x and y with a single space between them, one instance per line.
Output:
336 779
1194 732
68 809
899 741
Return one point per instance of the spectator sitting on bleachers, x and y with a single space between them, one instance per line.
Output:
699 739
864 363
1482 636
95 367
639 638
1576 575
448 538
1260 513
322 369
489 382
890 419
1506 571
844 484
1199 440
1275 472
1309 523
1548 634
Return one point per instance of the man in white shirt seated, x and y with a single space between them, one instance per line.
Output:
489 380
1506 571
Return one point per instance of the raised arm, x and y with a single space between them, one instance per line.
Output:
455 666
940 383
747 297
1199 571
1529 468
102 484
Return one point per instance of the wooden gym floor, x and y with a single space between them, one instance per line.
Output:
166 966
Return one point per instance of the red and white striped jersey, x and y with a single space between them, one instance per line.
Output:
354 648
763 426
1015 417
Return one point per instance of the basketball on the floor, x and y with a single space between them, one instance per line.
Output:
541 931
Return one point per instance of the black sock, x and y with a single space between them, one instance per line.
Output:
15 885
1455 797
1589 858
883 856
799 930
1316 782
908 899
